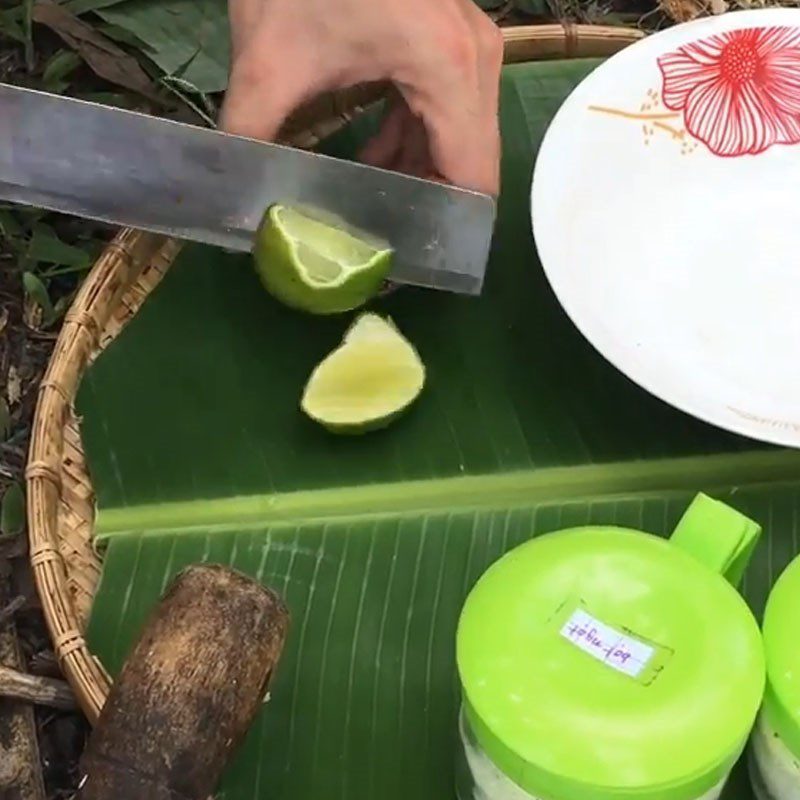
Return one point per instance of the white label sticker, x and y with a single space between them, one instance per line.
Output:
618 650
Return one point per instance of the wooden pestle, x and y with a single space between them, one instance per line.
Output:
189 690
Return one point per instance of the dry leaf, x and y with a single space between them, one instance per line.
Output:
100 53
682 10
13 386
37 300
32 314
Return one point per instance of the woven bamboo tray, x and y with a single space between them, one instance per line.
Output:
59 493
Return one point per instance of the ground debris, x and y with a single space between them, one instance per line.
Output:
104 57
39 745
20 770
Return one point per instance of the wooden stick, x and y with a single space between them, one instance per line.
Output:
33 689
188 691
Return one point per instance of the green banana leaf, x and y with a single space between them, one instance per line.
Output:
188 39
199 452
365 699
194 412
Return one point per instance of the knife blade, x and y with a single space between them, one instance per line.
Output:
139 171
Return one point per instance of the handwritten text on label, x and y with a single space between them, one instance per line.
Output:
618 650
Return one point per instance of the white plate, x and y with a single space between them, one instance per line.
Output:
666 213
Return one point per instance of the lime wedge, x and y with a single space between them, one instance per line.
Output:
368 381
316 267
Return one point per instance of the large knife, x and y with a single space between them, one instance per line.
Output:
199 184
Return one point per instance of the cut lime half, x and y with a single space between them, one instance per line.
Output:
317 267
369 380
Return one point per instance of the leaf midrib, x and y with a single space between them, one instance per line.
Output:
468 492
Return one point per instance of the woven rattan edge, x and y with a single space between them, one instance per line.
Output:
60 500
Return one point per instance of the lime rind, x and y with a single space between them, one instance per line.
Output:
326 256
368 381
316 267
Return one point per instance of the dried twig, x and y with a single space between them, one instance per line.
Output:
33 689
7 612
44 663
500 14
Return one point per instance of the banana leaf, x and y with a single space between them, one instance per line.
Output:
198 452
365 699
194 411
188 39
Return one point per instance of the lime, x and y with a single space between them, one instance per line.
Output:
369 380
317 267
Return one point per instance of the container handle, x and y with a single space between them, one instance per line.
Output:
717 536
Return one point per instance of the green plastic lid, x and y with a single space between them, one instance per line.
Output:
602 663
781 637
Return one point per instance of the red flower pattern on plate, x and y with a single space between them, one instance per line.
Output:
739 92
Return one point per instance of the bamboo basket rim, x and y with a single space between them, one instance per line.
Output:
60 501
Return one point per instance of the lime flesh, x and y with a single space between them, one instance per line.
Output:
316 267
368 381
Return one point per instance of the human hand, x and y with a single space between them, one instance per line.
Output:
444 57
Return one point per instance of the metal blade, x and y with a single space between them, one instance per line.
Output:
193 183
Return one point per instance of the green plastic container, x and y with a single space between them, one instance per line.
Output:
775 747
603 663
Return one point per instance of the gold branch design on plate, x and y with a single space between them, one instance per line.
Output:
654 118
767 422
